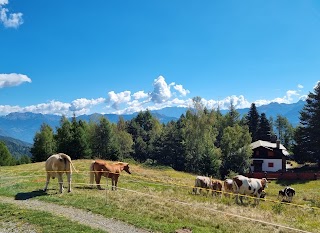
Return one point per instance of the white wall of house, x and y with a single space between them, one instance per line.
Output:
277 165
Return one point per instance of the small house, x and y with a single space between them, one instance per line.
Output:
268 156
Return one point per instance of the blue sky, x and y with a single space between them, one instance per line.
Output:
124 56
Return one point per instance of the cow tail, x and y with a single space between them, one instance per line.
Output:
91 172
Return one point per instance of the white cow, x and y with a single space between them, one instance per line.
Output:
243 185
202 182
56 165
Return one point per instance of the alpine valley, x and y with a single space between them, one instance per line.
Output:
23 126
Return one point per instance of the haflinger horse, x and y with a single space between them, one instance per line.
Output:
100 168
56 165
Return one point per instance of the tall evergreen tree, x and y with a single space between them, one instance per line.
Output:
63 136
80 147
144 129
169 149
253 121
285 131
307 136
264 130
233 116
6 159
103 141
44 144
123 139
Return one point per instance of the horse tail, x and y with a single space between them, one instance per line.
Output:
67 157
92 172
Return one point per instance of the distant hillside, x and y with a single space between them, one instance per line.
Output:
23 126
290 111
16 147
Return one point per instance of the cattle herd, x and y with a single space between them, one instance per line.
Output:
239 186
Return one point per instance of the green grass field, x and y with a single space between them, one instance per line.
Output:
160 200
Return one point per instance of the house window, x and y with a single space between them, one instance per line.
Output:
270 164
270 153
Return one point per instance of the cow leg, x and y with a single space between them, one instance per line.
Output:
98 178
60 182
69 181
241 199
47 182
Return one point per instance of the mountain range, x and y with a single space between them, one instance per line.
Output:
23 126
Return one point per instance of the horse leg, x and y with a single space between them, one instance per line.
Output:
115 182
60 182
69 181
47 182
98 178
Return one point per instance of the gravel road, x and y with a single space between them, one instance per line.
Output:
81 216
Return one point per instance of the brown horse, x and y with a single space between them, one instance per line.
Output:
100 168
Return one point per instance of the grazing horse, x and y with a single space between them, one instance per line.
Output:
100 168
56 165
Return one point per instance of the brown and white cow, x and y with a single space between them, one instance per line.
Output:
202 182
56 165
243 185
217 186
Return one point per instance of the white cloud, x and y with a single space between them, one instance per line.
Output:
9 20
118 98
53 107
9 80
300 86
237 101
84 104
161 92
181 90
288 98
6 109
3 2
140 95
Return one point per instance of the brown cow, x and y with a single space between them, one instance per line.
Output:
56 165
217 187
100 168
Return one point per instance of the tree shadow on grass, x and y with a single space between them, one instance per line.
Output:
28 195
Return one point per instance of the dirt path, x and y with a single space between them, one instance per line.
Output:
83 217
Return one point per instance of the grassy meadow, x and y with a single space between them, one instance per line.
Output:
160 200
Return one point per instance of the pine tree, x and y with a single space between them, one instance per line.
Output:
64 136
307 135
253 121
264 130
6 159
44 144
